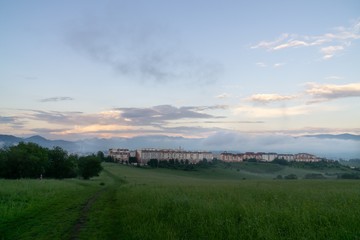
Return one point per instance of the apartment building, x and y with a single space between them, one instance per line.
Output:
119 154
144 155
267 157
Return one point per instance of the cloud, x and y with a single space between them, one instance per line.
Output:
331 43
271 112
264 65
266 98
158 115
333 78
56 99
276 65
13 122
281 143
7 120
261 64
144 51
330 51
223 96
162 119
74 118
327 92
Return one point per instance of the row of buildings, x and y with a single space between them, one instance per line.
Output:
142 156
268 157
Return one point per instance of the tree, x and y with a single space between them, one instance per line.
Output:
101 156
26 160
60 164
3 163
153 163
89 166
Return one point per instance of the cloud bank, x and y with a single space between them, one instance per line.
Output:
327 92
281 143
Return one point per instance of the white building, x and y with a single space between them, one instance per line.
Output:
119 154
145 155
268 157
231 157
305 157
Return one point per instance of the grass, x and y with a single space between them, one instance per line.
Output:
214 203
47 209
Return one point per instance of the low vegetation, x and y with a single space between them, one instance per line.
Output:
127 202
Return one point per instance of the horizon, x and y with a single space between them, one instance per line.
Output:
341 148
225 73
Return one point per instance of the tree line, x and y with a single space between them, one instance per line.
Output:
180 165
29 160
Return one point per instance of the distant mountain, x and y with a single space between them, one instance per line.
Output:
95 144
345 136
8 140
344 146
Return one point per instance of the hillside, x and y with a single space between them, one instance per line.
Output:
256 170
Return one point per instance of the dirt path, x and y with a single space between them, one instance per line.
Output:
84 213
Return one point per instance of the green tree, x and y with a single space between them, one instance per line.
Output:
60 165
3 163
26 160
89 166
153 163
101 156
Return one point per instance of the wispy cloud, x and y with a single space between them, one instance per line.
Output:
329 51
158 115
7 120
223 96
275 65
329 43
56 99
271 112
12 122
144 51
333 77
267 98
327 92
261 64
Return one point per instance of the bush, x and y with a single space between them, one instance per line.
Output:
349 176
89 166
314 176
290 176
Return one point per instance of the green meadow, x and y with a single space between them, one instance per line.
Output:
240 201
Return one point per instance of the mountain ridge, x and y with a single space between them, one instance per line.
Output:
342 145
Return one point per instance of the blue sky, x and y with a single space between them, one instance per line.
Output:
196 69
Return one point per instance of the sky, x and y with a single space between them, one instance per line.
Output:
194 69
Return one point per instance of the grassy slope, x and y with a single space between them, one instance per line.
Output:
168 204
214 203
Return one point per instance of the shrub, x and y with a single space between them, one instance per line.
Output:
290 176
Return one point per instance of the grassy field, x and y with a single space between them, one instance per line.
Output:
237 202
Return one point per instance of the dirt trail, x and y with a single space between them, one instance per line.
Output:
84 213
87 206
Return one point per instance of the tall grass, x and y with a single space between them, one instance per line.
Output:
154 205
139 203
46 209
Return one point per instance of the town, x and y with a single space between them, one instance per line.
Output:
143 156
